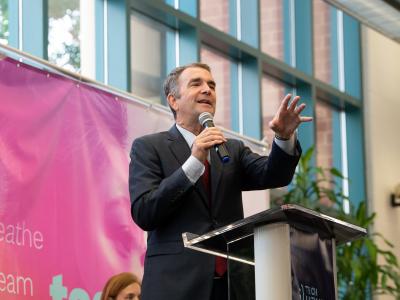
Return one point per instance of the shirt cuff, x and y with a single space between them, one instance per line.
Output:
193 169
288 146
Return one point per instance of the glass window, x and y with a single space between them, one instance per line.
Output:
152 45
64 40
322 13
221 67
272 28
215 13
273 92
4 33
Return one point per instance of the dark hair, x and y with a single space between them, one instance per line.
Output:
117 283
171 85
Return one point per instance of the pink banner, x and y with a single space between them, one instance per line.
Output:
65 224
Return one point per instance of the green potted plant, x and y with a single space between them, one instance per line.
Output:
363 266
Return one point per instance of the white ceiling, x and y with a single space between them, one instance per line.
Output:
381 15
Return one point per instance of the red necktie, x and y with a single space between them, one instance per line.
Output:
220 266
220 262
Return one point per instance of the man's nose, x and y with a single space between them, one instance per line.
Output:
206 89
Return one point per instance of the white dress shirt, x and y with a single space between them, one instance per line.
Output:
194 168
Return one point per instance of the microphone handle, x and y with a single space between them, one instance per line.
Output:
222 153
221 150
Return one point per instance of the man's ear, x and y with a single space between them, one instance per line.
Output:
172 101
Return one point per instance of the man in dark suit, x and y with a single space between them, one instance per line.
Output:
169 195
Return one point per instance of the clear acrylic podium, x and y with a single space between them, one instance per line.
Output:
286 253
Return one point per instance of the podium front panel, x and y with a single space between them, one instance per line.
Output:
289 264
312 266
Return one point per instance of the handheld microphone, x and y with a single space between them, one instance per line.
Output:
206 120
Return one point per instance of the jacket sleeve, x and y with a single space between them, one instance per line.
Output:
263 172
154 197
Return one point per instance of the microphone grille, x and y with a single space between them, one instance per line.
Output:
204 117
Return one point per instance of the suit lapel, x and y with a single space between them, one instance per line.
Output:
178 145
180 149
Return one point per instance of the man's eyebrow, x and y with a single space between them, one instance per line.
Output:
199 79
212 82
129 295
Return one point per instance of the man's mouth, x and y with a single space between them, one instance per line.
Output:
204 101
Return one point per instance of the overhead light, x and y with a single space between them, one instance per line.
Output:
395 197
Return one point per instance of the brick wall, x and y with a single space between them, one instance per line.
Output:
221 69
322 41
273 92
323 71
323 122
272 43
215 13
271 31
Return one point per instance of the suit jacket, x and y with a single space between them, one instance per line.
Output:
165 203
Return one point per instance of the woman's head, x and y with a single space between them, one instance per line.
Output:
123 286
